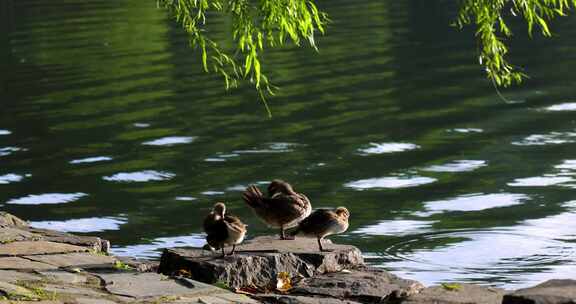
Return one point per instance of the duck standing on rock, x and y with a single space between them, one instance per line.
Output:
282 208
323 222
223 229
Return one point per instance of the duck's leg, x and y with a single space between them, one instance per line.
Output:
320 243
223 253
233 249
283 235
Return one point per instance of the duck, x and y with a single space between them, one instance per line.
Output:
282 208
223 229
323 222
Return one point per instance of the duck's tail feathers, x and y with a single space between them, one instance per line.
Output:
253 197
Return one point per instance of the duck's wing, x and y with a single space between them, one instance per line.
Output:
318 221
216 230
234 223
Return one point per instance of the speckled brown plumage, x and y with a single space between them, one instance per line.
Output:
223 229
281 208
323 222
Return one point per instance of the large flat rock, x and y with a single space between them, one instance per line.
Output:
75 259
367 285
12 234
458 294
289 299
37 247
258 262
23 264
549 292
7 219
90 242
152 285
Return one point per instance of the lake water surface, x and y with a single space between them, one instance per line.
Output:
109 127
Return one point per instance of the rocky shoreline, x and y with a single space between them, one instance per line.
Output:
52 267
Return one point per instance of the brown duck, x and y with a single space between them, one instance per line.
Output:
223 229
283 207
323 222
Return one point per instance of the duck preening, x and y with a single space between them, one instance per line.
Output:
283 207
223 229
323 222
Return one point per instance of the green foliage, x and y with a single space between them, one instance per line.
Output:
451 286
122 266
492 29
255 26
258 24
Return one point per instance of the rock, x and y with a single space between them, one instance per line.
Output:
93 301
20 263
90 242
549 292
364 284
72 290
7 219
75 259
10 234
258 262
12 276
215 297
288 299
146 285
37 247
15 292
460 294
63 277
139 264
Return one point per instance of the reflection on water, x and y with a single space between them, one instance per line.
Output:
47 198
391 182
115 131
569 106
91 159
93 224
475 202
141 176
12 178
170 140
375 148
457 166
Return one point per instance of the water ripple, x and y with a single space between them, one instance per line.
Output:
12 178
568 106
170 141
473 202
552 138
91 159
140 176
92 224
458 166
5 132
391 182
47 198
381 148
540 181
9 150
396 227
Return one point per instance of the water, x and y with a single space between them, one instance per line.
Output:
108 127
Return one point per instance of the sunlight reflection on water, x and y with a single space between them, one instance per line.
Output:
47 198
141 176
93 224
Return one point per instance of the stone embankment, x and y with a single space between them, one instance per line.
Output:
49 267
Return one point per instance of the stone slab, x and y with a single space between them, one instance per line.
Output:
21 263
13 276
79 260
259 261
147 285
549 292
63 277
11 234
289 299
90 242
464 294
7 219
36 248
72 290
93 301
365 285
15 292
